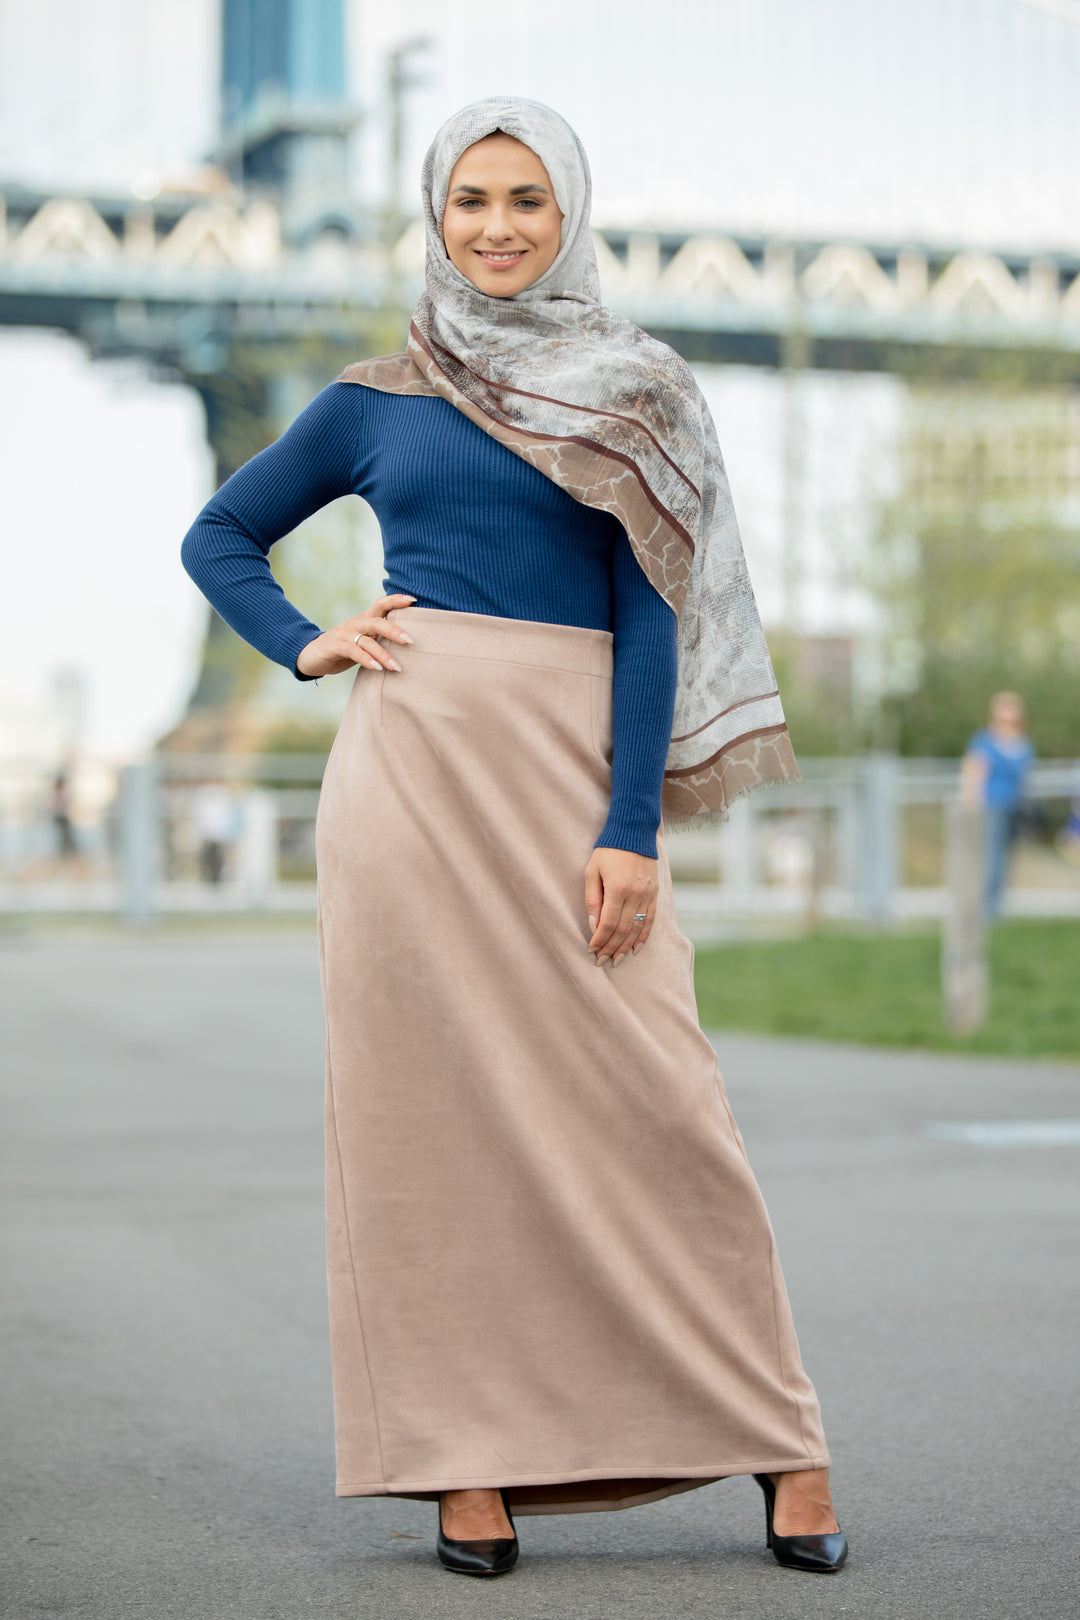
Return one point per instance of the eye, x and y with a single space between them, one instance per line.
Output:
470 202
528 202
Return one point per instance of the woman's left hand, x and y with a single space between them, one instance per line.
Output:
620 887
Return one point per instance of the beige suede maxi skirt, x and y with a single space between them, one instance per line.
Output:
550 1266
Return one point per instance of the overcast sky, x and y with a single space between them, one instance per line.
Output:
950 119
954 118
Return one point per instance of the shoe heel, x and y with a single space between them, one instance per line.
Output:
769 1492
824 1554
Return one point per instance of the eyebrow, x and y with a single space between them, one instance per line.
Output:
515 191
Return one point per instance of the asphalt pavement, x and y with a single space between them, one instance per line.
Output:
165 1371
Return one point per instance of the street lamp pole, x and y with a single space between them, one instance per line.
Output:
399 80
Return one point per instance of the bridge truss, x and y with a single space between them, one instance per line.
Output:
183 279
216 292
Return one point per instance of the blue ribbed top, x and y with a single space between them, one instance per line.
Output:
466 525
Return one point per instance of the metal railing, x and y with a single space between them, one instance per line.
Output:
860 838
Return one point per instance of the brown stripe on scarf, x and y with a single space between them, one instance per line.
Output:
761 697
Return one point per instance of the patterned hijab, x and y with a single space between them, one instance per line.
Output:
617 420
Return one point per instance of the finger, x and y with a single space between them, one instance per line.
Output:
646 928
624 932
349 651
380 657
607 928
639 931
387 604
372 625
630 931
594 900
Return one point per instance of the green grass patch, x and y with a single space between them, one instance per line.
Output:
885 989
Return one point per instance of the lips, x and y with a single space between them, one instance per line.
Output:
499 259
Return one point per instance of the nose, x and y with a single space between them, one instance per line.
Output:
498 225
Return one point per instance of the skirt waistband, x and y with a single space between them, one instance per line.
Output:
509 641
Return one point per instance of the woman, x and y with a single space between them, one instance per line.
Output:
993 774
553 1285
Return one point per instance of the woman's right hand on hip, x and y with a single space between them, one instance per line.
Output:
356 642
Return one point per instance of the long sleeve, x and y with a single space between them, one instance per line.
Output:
643 703
442 491
226 551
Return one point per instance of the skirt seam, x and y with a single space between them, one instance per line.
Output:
518 663
355 1287
774 1267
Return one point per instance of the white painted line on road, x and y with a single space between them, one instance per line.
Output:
1007 1133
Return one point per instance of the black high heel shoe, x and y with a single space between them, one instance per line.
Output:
496 1556
825 1554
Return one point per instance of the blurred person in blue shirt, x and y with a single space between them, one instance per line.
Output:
994 772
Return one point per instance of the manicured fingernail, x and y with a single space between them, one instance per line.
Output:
394 664
592 924
620 958
404 637
634 949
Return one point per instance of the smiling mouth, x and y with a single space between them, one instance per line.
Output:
501 258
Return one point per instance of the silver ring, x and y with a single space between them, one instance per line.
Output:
357 638
641 916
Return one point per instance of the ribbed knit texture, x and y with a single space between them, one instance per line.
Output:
466 525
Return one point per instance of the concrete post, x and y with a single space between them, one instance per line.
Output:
879 835
738 854
965 974
846 839
139 840
257 849
817 833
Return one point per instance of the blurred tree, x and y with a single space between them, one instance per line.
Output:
332 568
243 401
814 674
977 568
238 426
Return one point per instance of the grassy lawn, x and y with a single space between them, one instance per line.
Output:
884 989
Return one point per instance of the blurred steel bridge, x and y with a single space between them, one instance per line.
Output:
181 281
222 292
256 292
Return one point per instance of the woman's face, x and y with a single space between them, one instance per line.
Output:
1007 714
501 222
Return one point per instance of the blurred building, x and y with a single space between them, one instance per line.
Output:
285 118
254 281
